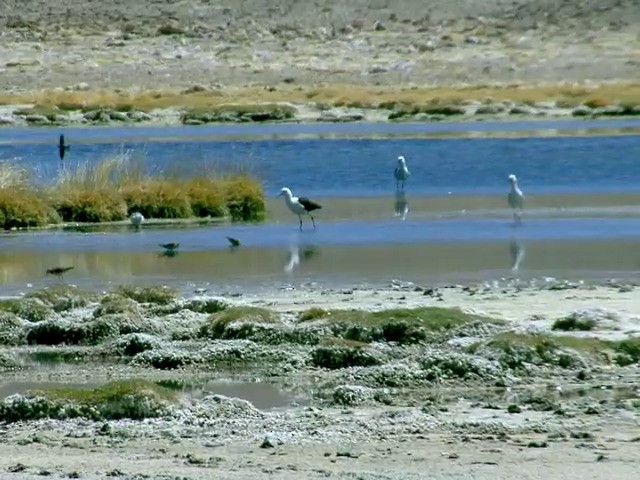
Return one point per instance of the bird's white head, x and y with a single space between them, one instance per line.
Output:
401 160
513 179
285 192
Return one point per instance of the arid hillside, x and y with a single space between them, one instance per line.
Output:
162 43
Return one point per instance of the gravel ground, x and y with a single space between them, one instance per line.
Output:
257 42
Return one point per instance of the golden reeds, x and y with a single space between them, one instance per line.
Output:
111 189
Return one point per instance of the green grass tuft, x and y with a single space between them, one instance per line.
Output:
132 399
109 392
627 351
336 357
239 113
574 323
62 297
396 325
218 322
519 349
160 295
28 308
312 313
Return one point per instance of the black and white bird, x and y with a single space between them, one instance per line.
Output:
62 148
170 246
401 172
300 205
515 199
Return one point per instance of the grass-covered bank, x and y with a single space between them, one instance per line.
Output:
112 189
285 102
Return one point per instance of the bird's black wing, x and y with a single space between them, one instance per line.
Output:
61 140
309 205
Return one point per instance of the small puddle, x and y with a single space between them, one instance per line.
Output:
263 396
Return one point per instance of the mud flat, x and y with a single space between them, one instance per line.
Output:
317 383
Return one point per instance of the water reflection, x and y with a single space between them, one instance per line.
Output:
516 253
401 205
296 256
293 259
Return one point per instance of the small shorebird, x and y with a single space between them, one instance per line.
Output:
401 172
62 148
234 242
170 249
515 199
136 219
58 271
300 205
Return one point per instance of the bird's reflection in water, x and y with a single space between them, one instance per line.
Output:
516 253
296 255
168 253
401 205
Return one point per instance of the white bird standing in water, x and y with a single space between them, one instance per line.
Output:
300 205
401 172
516 199
136 218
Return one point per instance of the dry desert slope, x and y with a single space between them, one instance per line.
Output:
164 43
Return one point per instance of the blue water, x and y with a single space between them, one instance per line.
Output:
351 233
360 167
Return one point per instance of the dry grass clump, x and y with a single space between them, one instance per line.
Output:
113 188
267 104
90 205
12 176
208 197
158 199
22 208
244 198
598 102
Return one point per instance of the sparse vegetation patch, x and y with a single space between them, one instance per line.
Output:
397 325
133 399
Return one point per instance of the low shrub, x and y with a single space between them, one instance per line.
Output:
90 205
160 295
334 357
23 208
